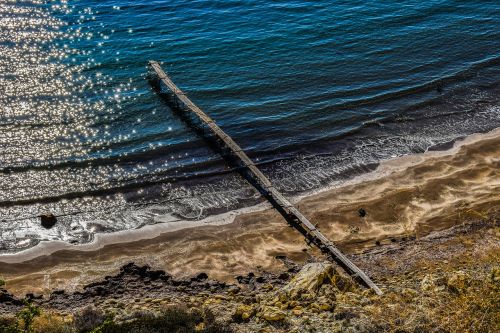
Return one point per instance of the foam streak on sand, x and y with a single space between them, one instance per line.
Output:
411 195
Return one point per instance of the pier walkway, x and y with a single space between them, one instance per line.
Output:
298 220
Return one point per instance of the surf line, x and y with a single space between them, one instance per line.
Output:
180 102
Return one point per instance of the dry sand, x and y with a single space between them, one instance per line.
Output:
408 196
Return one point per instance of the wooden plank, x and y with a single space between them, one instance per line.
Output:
315 235
281 200
260 176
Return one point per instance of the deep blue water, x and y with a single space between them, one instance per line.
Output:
315 91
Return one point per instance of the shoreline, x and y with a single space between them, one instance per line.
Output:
425 190
395 164
384 169
150 231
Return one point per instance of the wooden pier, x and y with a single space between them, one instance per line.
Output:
299 221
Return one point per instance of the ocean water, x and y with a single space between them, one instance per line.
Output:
316 92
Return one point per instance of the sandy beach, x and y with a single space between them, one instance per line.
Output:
404 198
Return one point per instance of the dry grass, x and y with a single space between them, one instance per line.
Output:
463 297
52 322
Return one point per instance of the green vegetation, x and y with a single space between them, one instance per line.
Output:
27 316
22 322
8 324
2 282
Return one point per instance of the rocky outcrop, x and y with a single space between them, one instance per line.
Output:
311 277
312 290
132 280
8 302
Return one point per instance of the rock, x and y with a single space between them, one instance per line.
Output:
7 298
329 291
32 296
308 281
321 306
325 304
271 313
282 306
245 279
133 269
243 312
361 212
200 327
268 286
155 275
427 283
200 277
306 297
495 275
233 290
221 297
143 272
345 315
342 282
458 282
48 220
433 283
325 307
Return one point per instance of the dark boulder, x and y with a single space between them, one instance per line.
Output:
32 296
9 299
135 270
155 275
200 277
48 220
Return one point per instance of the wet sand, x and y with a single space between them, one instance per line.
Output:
405 197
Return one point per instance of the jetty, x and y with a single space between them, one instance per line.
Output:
160 80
